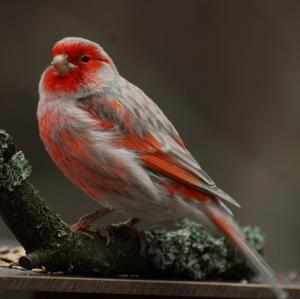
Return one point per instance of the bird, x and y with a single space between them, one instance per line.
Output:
114 143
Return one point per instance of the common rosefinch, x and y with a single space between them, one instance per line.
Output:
114 143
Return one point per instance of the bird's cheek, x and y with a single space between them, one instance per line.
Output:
90 74
54 83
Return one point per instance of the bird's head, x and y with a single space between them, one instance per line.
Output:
76 64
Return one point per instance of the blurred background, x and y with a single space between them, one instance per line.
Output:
225 72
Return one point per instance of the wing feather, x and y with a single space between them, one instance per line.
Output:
140 126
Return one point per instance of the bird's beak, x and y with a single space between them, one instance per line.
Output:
61 64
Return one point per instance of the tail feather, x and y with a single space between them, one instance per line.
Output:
230 229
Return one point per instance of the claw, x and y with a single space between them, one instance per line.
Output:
131 224
84 224
103 232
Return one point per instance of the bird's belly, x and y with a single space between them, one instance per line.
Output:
75 157
74 169
110 191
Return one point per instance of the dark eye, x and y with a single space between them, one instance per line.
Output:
85 59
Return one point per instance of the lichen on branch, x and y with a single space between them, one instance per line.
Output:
16 169
191 251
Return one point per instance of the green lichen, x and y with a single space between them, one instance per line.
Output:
14 171
193 252
14 168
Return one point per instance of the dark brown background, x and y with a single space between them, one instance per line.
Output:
225 72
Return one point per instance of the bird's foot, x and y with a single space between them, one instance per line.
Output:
131 224
103 232
99 229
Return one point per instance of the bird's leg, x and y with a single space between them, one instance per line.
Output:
86 220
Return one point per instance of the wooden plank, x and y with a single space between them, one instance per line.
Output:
25 281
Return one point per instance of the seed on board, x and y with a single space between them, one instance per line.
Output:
4 250
17 250
8 259
4 265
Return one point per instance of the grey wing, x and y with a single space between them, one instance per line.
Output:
155 122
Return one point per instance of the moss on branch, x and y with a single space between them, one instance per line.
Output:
187 252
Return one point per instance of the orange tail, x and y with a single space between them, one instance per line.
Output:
230 229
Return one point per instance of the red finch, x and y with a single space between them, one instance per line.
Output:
113 142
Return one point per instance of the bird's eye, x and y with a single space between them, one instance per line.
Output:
85 59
